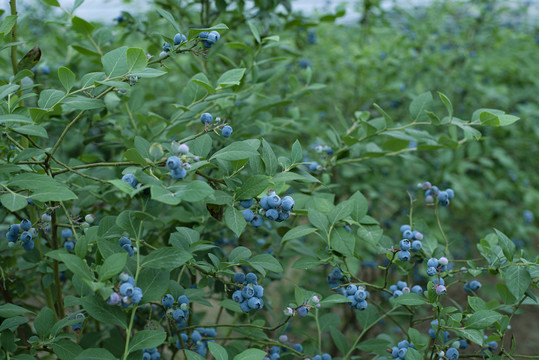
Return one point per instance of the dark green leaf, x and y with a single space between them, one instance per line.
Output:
167 258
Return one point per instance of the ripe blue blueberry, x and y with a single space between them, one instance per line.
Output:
251 278
12 237
404 255
463 344
298 347
302 311
248 215
408 234
474 285
127 247
402 352
168 300
166 47
313 166
257 221
360 295
178 39
247 292
178 315
178 173
213 37
137 295
26 225
130 179
259 291
206 118
444 203
195 336
452 354
124 241
126 289
255 303
239 277
26 236
442 196
227 131
404 228
438 281
173 162
326 356
450 193
432 262
272 214
69 245
247 203
274 201
28 245
317 357
283 215
183 299
237 297
67 233
405 244
287 203
441 290
397 293
432 333
403 344
417 289
244 306
203 35
417 245
401 285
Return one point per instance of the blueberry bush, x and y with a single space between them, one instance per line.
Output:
231 180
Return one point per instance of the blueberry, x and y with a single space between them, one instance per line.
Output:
26 236
26 224
130 179
432 262
247 203
168 300
257 221
302 311
69 245
351 289
313 166
441 290
326 356
408 234
452 353
402 352
395 352
178 315
417 245
405 244
227 131
337 273
393 288
298 347
259 291
173 162
251 278
404 255
401 285
404 228
287 203
67 233
397 293
403 344
14 229
317 357
12 237
244 306
432 333
283 215
237 297
463 344
166 47
362 305
247 292
127 248
254 303
417 235
475 285
137 295
417 289
444 203
360 295
239 277
272 214
450 193
126 289
439 281
274 201
125 241
207 44
213 37
183 299
203 35
442 196
114 299
248 215
28 245
178 39
206 118
178 173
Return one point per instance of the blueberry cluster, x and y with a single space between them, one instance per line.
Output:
438 266
411 241
273 208
402 288
432 192
323 148
209 38
491 345
179 38
130 179
358 296
473 285
128 292
399 351
433 329
78 326
181 312
125 243
28 233
196 342
274 352
178 168
69 244
324 356
335 280
250 295
150 354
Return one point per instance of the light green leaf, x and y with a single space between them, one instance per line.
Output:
67 78
238 150
267 261
411 299
147 339
508 247
16 118
297 232
13 322
82 103
239 253
136 60
319 220
49 98
251 354
343 241
168 16
167 258
218 352
269 158
482 319
254 30
77 266
419 105
231 77
115 62
66 349
517 279
234 220
341 211
8 23
252 187
33 130
13 202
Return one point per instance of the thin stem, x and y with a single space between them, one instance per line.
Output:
319 332
440 227
13 7
99 164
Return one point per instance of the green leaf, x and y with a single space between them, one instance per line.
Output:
52 2
389 120
319 220
112 266
474 336
13 202
497 118
238 150
234 220
167 258
517 279
16 118
254 30
218 352
67 78
419 105
168 16
297 232
81 26
10 310
375 345
49 98
343 241
191 355
33 130
251 354
76 266
505 294
231 77
95 354
7 89
239 253
269 158
267 261
149 73
339 340
115 62
82 103
334 299
341 211
367 317
44 322
306 263
147 339
136 60
359 206
66 349
508 247
412 354
154 284
297 152
101 311
8 23
482 319
252 187
447 104
411 299
13 322
128 221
